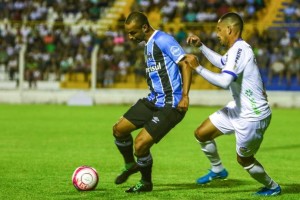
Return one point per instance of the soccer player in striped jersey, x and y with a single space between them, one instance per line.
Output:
248 116
168 77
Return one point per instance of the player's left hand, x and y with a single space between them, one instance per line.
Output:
194 40
183 104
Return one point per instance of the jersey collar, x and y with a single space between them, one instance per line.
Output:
150 38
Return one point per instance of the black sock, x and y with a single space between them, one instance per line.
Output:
145 164
125 146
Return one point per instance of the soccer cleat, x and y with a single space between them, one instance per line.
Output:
127 171
141 186
269 192
211 176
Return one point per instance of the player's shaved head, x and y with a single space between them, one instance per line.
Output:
137 27
138 18
234 20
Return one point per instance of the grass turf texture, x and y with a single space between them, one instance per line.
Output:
41 145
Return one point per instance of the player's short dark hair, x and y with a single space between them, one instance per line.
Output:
236 18
138 17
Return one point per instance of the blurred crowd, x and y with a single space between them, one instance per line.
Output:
59 36
59 40
292 12
200 11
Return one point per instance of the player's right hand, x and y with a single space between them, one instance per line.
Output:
192 61
194 40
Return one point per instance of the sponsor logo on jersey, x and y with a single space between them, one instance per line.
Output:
238 55
249 94
153 68
175 50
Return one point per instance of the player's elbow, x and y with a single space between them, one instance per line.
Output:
225 85
190 61
226 80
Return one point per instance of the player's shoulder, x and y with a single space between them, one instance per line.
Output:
165 41
163 36
240 46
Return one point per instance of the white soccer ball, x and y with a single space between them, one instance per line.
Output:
85 178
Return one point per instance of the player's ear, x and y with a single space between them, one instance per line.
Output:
229 30
145 28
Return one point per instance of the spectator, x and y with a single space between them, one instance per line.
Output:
123 69
181 35
293 66
109 77
190 15
168 11
12 66
53 69
285 39
289 12
65 65
277 66
31 71
4 58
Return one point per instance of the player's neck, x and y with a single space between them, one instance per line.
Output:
233 40
149 34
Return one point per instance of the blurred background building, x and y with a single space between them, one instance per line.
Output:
60 36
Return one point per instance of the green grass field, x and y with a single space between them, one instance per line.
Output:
41 145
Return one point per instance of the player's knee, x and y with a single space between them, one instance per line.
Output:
199 136
240 161
116 132
245 161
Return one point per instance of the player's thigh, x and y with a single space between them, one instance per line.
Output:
140 113
123 127
217 124
162 122
249 135
207 131
134 118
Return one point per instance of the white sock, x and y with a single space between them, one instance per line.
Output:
210 150
257 172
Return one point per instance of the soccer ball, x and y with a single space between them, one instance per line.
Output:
85 178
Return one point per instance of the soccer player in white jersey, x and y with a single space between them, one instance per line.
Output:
248 116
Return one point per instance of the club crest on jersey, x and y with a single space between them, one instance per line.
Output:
149 56
175 50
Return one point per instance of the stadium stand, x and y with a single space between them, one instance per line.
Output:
61 35
284 28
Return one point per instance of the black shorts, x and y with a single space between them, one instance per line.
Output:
157 121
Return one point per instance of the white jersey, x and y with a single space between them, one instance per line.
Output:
250 101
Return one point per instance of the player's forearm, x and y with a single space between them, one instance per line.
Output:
186 79
222 80
213 57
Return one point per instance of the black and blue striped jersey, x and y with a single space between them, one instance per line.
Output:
162 54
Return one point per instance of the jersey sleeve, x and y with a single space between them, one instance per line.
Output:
171 47
213 57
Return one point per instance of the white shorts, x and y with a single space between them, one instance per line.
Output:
248 134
